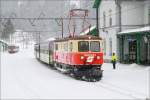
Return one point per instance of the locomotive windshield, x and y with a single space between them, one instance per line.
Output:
95 46
85 46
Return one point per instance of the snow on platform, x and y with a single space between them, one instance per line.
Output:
23 77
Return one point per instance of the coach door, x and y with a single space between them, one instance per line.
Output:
132 51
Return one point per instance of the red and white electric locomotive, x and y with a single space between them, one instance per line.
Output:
79 56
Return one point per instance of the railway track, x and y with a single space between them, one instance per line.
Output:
126 92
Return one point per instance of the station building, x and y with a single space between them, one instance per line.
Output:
117 16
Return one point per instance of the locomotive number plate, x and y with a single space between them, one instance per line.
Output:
89 55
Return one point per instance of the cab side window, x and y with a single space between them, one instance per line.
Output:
71 46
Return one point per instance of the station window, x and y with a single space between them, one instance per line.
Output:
104 19
110 21
104 47
110 46
110 18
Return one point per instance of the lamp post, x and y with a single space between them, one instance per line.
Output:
39 43
62 27
97 21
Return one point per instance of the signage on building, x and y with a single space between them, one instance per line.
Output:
96 3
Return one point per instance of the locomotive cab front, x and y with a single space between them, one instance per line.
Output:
85 52
80 55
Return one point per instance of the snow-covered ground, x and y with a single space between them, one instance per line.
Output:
23 77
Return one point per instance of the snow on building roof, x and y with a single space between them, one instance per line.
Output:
144 29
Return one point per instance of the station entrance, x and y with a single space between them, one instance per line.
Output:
132 51
134 47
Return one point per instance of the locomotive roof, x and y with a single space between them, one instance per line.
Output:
80 37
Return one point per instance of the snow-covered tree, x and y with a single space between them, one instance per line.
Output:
8 30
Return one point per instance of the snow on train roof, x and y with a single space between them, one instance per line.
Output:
79 38
144 29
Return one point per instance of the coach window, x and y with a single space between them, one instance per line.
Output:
83 46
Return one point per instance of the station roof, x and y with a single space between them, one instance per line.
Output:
144 29
2 41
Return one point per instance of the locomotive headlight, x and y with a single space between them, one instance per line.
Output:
81 57
98 57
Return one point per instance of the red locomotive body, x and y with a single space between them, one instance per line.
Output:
82 50
79 55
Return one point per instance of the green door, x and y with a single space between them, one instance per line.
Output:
132 51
